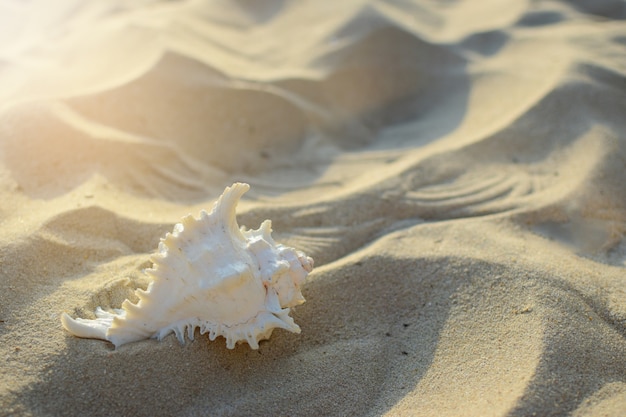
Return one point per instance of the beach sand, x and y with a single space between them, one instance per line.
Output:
456 169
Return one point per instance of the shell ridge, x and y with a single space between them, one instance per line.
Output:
260 327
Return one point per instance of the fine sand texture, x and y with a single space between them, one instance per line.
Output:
457 169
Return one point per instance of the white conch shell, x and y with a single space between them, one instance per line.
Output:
210 274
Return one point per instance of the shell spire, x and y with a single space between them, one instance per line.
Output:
211 275
226 205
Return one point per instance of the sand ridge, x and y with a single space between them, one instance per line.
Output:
455 169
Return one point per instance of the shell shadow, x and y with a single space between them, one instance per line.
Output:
355 327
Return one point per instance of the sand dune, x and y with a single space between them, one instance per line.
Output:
456 170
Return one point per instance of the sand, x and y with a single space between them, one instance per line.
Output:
456 169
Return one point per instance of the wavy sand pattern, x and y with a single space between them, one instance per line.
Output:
455 168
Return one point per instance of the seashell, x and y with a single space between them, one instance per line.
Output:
210 274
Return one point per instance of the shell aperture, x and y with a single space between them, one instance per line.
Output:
212 275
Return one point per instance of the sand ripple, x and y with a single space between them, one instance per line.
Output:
456 169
